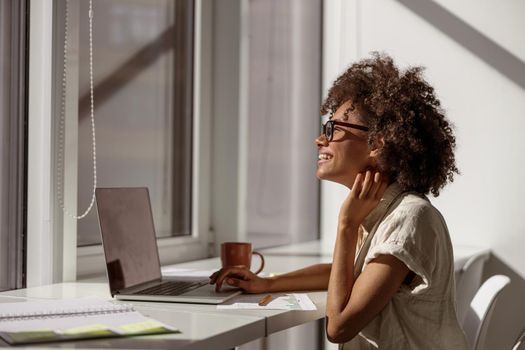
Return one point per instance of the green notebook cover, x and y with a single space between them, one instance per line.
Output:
94 331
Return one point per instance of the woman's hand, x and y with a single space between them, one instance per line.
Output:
365 195
239 277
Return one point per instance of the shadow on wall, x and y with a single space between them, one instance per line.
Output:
508 318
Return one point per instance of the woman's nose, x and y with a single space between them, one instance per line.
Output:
321 140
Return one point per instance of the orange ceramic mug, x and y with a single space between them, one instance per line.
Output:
239 254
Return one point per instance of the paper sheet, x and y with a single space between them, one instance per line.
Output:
294 301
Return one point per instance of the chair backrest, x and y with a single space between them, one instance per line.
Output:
468 281
480 312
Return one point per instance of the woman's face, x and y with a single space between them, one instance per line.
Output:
341 159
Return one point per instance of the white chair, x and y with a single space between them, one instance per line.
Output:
479 314
468 280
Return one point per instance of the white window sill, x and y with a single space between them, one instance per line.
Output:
91 263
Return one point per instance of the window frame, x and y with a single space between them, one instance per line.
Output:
41 240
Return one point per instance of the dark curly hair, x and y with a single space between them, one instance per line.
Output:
401 108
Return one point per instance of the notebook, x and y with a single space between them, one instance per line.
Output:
132 258
73 319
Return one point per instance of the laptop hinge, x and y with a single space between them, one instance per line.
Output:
211 243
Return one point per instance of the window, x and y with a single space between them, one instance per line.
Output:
181 119
147 125
143 96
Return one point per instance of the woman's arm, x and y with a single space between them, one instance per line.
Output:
352 304
313 277
370 293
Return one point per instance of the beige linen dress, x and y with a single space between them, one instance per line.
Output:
421 315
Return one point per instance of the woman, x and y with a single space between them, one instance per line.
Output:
390 285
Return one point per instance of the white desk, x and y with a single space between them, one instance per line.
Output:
316 249
199 330
203 326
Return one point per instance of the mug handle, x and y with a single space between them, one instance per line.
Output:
262 262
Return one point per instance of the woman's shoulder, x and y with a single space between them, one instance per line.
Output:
414 205
414 214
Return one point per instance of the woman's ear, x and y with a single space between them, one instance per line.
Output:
377 147
375 151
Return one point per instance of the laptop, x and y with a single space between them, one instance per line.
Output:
132 258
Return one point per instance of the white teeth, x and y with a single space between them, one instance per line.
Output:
324 156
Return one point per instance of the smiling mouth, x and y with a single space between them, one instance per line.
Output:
324 156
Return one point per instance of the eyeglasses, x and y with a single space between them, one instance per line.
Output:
329 126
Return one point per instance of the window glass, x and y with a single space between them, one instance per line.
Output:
143 52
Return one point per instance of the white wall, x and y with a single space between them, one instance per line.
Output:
475 58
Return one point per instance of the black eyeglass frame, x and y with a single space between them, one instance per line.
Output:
329 125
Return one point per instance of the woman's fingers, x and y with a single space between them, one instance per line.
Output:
231 272
239 283
358 183
376 185
213 276
367 183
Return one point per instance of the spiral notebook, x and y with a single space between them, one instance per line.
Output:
73 319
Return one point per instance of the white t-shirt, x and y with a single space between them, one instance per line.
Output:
421 315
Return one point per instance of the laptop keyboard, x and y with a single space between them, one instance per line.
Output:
171 288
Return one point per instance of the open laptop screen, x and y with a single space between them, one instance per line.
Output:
128 236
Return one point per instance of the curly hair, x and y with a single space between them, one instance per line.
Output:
400 108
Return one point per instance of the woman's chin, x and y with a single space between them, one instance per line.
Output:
325 176
321 174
